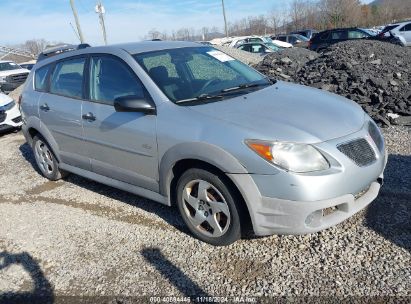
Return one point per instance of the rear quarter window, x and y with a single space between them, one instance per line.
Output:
40 78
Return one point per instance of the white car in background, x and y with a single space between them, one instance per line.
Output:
11 75
10 116
236 42
402 30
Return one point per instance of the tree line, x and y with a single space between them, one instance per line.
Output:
301 14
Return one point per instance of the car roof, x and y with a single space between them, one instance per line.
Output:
150 46
131 48
4 61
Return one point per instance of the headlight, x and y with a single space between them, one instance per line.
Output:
376 135
8 106
2 79
299 158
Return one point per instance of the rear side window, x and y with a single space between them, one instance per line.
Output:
67 79
356 35
246 48
110 78
323 36
339 35
40 78
257 48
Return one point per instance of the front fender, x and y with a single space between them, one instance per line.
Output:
201 151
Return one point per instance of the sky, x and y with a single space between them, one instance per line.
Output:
126 20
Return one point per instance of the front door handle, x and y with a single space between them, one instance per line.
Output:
89 116
45 107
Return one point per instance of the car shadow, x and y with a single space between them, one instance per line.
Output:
42 291
390 214
9 131
170 215
172 273
27 152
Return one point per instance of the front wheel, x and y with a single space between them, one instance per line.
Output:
208 207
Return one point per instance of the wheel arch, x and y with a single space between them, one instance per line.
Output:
35 127
203 156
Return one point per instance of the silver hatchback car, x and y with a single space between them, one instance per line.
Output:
187 125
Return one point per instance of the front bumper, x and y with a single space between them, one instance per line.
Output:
287 203
8 87
11 119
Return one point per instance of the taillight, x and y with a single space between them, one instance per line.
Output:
20 99
309 43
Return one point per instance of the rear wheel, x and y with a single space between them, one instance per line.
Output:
45 159
207 206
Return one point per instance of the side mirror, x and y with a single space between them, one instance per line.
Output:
134 104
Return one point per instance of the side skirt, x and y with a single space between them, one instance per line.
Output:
117 184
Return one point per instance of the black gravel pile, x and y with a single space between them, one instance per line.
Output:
375 74
285 64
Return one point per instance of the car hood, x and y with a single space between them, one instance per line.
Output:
289 112
282 44
13 72
4 99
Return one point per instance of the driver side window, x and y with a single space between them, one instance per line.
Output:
111 78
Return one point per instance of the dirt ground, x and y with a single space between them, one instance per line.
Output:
77 238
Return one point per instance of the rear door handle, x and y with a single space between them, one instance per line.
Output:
89 116
45 107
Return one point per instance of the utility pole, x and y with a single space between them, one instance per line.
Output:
100 10
80 33
225 19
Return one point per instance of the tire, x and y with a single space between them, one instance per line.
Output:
213 216
46 160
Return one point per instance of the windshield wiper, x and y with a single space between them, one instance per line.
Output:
201 97
245 86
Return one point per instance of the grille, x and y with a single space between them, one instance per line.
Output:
17 78
359 151
17 119
3 116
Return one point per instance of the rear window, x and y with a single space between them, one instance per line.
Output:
389 28
67 78
40 78
406 28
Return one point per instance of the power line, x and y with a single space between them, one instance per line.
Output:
80 33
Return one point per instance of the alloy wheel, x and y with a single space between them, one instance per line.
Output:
206 208
44 158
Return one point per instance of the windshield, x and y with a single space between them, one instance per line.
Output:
301 37
272 46
190 73
7 66
267 40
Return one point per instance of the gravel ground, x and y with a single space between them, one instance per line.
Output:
77 237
